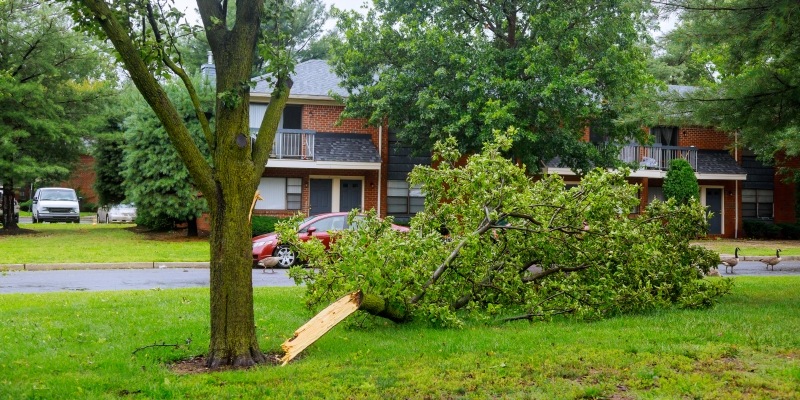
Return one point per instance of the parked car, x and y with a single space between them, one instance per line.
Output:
54 204
16 209
124 213
318 226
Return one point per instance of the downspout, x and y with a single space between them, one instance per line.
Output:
380 170
736 194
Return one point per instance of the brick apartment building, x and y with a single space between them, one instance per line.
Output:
734 185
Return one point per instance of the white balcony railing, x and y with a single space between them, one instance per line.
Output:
293 143
658 157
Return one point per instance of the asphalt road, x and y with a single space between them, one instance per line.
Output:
123 279
170 278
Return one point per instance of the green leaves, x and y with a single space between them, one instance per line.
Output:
494 243
463 69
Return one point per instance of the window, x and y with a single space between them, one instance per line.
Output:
292 117
655 193
665 135
757 203
402 199
280 193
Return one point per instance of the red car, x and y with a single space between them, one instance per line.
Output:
318 226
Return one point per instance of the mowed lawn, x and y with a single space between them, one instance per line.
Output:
78 243
84 345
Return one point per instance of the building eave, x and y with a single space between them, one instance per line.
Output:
297 99
313 164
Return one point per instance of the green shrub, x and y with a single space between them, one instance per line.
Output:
790 231
26 205
89 207
756 229
262 225
681 183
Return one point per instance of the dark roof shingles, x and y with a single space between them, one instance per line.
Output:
349 147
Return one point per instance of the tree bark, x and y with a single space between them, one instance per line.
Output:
8 206
228 185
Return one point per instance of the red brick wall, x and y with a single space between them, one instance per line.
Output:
785 193
704 138
82 180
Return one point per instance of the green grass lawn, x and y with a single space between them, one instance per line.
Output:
752 247
70 243
80 345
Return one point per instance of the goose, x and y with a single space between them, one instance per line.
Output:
269 262
772 261
731 262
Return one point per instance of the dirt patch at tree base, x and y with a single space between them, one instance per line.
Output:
197 365
18 231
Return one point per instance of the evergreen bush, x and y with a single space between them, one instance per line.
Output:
681 183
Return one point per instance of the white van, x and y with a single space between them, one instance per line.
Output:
55 205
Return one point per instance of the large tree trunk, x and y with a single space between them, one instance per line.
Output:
8 206
233 334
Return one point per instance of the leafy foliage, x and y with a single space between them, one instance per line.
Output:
464 68
681 183
751 48
518 248
49 90
155 178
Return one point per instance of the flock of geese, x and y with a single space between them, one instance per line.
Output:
769 262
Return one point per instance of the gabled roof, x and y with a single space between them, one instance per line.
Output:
312 78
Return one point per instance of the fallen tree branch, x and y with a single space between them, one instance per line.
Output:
156 345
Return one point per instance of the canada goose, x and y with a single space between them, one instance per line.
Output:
772 261
269 262
731 262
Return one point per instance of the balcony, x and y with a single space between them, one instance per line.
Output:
658 157
295 144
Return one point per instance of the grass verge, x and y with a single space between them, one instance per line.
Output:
76 243
80 345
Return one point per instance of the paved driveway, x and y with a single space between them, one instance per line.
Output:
756 268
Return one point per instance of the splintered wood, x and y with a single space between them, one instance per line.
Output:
320 324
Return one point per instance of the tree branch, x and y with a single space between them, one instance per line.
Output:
195 99
155 96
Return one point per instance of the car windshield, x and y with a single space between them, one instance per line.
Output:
56 195
123 207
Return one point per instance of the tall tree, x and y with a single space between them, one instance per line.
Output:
48 89
143 38
466 67
752 46
154 176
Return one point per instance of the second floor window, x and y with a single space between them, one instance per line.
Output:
665 135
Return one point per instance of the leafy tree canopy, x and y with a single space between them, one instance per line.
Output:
517 248
752 48
464 68
51 84
154 176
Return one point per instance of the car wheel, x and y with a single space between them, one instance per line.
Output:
34 219
286 257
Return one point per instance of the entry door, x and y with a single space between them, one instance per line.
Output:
321 195
349 195
714 205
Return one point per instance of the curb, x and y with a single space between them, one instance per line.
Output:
125 265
